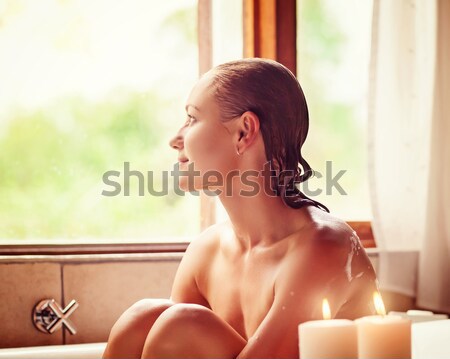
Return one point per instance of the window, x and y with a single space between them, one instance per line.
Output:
93 87
87 87
333 48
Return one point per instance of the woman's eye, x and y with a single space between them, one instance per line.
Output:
190 119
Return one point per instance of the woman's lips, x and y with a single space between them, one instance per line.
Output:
182 162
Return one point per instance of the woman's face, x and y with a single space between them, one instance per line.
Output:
203 142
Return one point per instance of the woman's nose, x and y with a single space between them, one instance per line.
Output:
177 142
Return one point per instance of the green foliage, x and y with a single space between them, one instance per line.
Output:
335 130
321 48
181 22
52 162
320 33
52 158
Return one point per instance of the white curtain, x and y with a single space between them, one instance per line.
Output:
409 151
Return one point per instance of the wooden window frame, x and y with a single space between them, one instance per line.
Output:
270 31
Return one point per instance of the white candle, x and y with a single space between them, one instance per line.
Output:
328 338
381 336
431 340
417 316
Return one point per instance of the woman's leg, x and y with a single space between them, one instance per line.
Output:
127 336
192 331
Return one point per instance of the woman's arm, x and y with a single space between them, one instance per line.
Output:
187 329
192 268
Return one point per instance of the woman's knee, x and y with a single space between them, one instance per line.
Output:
131 329
141 314
192 330
184 317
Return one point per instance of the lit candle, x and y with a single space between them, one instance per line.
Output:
381 336
328 338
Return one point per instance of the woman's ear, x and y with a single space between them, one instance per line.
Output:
247 130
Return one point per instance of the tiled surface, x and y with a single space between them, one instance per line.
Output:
21 287
105 290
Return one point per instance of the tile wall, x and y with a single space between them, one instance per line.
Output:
103 285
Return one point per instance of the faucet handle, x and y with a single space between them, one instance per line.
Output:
49 316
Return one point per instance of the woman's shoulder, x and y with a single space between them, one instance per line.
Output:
329 240
335 252
325 229
199 255
338 244
207 240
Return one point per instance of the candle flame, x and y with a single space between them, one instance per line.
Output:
379 305
326 309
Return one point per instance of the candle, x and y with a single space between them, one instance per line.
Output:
381 336
430 340
418 316
328 338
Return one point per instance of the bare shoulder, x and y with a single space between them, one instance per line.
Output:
325 231
203 249
331 260
333 240
192 271
206 242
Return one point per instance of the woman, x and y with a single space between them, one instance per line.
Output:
244 285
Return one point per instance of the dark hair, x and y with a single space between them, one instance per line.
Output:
272 92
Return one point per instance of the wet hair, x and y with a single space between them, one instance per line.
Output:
272 92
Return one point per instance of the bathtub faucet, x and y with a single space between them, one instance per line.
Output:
49 316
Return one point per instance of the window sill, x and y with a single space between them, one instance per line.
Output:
148 245
76 247
364 231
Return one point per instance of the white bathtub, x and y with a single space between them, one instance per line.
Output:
70 351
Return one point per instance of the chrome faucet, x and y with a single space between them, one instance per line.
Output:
49 316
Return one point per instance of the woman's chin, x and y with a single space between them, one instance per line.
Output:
187 186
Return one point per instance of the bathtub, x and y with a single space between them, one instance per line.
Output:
70 351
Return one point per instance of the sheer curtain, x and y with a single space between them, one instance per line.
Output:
409 153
